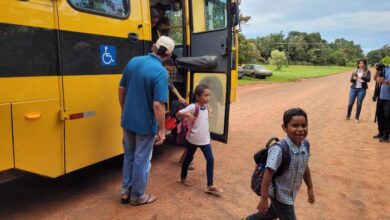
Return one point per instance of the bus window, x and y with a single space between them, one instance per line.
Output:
110 8
212 15
170 23
175 16
176 26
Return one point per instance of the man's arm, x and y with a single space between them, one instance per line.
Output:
181 99
121 95
274 161
266 182
309 184
159 113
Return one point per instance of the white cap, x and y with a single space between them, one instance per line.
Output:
166 42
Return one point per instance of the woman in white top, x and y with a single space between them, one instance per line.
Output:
198 136
359 79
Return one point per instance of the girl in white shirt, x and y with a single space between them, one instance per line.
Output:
198 136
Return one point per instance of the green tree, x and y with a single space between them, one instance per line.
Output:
373 56
278 58
351 51
338 58
265 45
247 52
244 19
297 48
314 39
316 56
386 60
310 48
385 50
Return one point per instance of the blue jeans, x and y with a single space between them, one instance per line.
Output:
208 154
137 154
276 210
359 95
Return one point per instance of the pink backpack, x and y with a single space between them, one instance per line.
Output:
184 127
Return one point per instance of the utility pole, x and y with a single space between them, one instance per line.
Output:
288 51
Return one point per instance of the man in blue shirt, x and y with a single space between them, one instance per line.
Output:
143 93
383 111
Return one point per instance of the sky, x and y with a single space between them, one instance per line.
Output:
366 22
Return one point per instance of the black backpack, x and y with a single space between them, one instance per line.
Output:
261 160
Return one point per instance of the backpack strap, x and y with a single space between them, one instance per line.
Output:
286 157
271 141
286 160
306 143
263 153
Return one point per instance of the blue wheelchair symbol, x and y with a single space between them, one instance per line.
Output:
107 55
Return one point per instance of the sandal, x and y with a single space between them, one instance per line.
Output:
214 189
185 182
143 200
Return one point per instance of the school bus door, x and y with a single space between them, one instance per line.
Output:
97 39
211 35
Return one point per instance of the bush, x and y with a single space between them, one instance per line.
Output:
278 58
351 64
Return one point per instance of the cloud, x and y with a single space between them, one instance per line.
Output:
356 22
362 21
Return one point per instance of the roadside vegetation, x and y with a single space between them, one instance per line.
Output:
306 49
294 73
299 55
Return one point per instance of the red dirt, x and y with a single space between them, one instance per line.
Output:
350 170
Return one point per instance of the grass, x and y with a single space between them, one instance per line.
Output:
294 73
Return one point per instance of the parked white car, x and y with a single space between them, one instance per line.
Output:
256 70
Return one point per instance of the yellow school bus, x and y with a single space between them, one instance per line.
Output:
61 62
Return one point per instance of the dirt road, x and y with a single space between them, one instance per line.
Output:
350 170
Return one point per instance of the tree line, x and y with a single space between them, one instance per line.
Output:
305 49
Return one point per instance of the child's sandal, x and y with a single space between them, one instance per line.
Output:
185 182
214 189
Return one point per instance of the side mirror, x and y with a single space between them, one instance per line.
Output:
235 11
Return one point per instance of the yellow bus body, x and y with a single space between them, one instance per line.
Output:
37 134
